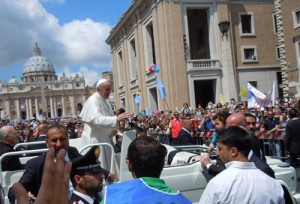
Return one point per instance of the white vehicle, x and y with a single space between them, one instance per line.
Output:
182 172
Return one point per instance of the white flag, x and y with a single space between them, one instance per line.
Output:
257 98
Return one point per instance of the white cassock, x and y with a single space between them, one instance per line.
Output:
99 121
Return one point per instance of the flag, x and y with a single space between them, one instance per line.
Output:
251 100
273 94
222 99
137 99
243 92
254 96
258 99
255 92
161 88
270 97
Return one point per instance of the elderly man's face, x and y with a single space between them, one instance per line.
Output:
12 137
105 89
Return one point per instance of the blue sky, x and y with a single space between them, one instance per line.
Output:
70 33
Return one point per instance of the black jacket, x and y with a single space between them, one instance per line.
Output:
10 163
184 138
32 177
292 140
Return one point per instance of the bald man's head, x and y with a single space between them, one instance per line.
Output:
236 119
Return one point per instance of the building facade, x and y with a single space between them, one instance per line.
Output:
41 94
199 62
287 20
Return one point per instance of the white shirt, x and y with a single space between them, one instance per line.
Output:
242 182
87 198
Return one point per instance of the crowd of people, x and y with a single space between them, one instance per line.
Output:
146 155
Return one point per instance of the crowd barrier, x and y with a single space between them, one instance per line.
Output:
271 143
278 135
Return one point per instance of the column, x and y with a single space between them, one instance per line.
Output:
30 108
51 107
72 104
36 108
55 106
62 106
229 78
18 108
26 109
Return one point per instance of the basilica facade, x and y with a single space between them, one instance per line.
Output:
42 94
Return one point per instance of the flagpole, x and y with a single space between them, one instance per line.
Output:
167 104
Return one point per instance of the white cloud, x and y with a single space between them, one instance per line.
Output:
90 76
73 44
84 41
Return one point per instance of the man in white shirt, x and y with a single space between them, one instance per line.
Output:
241 181
99 119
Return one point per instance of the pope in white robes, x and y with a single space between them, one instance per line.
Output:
99 120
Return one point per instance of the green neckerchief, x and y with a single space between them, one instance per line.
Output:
158 184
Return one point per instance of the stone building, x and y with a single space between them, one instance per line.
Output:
287 20
204 49
41 94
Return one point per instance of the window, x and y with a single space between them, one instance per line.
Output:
296 18
132 60
253 83
120 68
277 53
77 84
275 28
246 21
149 45
297 46
249 54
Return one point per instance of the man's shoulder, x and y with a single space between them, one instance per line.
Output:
39 159
293 122
125 185
5 147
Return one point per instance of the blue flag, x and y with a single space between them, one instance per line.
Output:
161 88
137 99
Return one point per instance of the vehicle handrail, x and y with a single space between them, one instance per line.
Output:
18 153
28 143
102 144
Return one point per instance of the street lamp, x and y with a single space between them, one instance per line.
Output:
224 27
